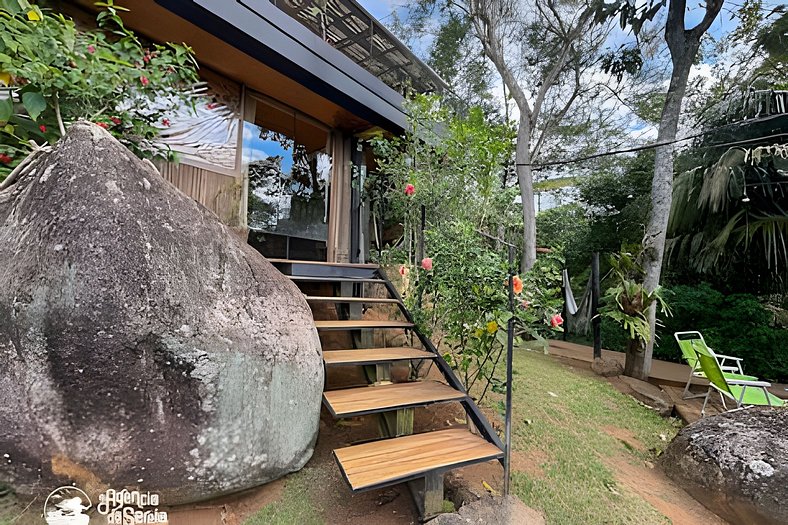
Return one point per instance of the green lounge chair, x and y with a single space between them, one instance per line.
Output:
745 393
689 342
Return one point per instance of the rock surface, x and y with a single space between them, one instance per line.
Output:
142 344
650 395
607 367
736 464
501 511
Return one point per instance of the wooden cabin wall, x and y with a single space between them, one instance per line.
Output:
220 193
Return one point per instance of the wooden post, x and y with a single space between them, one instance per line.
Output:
433 494
596 321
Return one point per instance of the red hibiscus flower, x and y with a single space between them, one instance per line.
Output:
115 120
102 125
403 270
5 159
410 189
556 321
426 263
43 128
144 80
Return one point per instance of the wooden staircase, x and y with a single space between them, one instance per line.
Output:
399 455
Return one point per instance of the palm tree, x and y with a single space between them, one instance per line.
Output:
730 217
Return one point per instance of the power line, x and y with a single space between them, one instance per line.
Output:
543 165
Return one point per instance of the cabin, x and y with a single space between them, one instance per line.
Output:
279 152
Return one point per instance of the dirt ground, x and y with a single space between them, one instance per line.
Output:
394 505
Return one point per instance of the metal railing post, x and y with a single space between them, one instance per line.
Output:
509 353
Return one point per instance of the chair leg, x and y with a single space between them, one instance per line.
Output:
705 400
687 394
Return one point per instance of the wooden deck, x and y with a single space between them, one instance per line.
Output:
383 462
368 356
351 402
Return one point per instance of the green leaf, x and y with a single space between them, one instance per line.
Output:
34 103
6 110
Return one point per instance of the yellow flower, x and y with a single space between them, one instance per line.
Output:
478 332
33 16
5 78
492 327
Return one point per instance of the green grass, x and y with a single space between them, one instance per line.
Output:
566 430
296 504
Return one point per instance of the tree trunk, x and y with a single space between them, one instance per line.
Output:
525 180
662 192
633 367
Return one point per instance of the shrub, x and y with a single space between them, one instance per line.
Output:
737 324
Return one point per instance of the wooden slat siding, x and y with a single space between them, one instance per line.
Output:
351 401
353 324
363 300
380 462
218 192
373 355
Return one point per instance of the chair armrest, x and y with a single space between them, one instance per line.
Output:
729 368
723 357
741 382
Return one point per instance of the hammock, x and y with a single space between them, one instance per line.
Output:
578 315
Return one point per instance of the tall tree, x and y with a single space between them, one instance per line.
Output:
543 50
683 44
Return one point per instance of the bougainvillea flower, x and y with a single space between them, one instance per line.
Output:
144 80
492 327
426 263
410 189
556 321
5 159
165 122
43 128
91 49
403 270
102 125
115 120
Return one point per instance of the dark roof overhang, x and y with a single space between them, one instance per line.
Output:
262 31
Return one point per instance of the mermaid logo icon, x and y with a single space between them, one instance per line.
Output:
67 506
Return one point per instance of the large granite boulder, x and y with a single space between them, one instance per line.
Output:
142 344
736 464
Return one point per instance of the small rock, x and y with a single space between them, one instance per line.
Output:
607 367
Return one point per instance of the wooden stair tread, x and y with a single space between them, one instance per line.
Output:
363 356
361 323
331 279
371 399
324 263
334 299
381 463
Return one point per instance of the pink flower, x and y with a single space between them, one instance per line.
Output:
144 80
165 122
91 49
403 271
115 120
410 190
556 321
5 159
426 263
146 58
43 128
102 125
525 303
211 105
